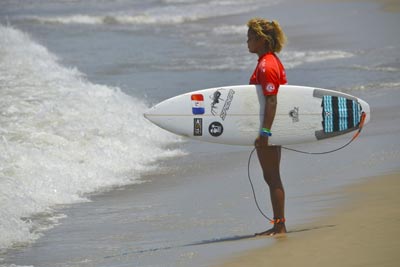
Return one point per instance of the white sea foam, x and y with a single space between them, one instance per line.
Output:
371 86
231 30
378 68
62 136
290 58
295 58
246 61
171 12
71 19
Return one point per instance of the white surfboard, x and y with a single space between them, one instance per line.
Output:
233 114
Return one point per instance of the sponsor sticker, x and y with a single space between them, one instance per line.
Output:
219 105
197 127
197 104
294 114
216 98
227 104
215 129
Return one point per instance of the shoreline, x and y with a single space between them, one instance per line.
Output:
356 234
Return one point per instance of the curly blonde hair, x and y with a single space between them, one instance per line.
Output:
270 31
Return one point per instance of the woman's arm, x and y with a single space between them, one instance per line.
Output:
271 102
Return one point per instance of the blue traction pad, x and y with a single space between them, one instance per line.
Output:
340 114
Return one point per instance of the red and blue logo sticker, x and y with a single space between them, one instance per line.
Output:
198 104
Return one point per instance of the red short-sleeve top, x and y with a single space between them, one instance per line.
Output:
269 73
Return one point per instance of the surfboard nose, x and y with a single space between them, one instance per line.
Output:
150 113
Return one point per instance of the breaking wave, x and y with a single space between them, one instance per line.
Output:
62 136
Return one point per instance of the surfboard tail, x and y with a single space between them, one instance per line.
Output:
366 109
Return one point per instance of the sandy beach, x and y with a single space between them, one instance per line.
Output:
362 232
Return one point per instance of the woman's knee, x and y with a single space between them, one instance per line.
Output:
273 179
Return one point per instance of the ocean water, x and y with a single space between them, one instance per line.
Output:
76 77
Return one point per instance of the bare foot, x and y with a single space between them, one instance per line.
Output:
269 232
279 228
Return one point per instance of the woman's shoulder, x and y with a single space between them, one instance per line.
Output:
268 59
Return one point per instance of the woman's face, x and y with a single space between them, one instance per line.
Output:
255 44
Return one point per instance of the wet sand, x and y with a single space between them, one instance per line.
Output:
362 232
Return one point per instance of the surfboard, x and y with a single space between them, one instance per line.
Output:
233 114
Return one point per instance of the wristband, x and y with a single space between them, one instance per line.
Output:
265 132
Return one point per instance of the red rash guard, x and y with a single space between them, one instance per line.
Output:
269 73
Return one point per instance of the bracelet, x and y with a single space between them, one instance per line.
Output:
265 132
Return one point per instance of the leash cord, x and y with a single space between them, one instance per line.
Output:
252 186
303 152
290 149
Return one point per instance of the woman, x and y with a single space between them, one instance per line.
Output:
265 38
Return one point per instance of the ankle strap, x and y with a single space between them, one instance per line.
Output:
278 220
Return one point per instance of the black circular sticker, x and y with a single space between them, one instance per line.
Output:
215 129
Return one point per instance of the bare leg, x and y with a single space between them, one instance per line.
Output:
270 158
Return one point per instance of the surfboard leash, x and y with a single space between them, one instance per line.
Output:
360 127
252 187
